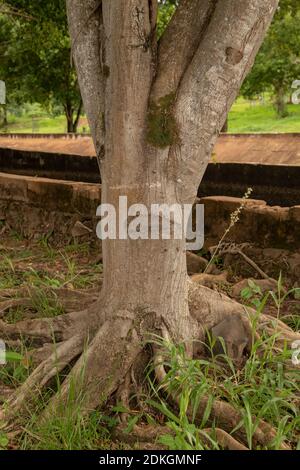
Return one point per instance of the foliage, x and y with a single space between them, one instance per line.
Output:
165 13
36 52
277 64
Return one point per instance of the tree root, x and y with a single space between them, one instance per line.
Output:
101 370
13 303
224 439
41 376
209 308
117 338
58 329
141 434
152 434
70 299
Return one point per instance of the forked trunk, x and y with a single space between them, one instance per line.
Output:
155 111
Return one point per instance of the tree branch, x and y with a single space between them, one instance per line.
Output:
179 43
86 29
6 9
212 82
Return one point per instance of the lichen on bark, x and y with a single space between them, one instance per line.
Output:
162 128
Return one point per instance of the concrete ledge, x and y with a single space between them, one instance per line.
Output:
277 184
64 196
37 206
259 224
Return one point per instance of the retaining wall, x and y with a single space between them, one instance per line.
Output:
40 206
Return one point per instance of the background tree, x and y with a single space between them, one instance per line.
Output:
155 110
37 56
277 64
166 9
5 71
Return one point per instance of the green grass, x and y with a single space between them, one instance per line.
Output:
247 118
265 388
244 117
40 125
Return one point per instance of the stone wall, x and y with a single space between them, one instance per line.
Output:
40 206
259 224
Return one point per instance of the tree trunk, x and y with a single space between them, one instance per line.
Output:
69 117
225 127
147 275
77 118
5 119
280 103
155 111
72 124
160 113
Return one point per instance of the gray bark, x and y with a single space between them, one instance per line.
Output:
199 65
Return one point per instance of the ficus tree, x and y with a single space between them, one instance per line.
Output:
155 109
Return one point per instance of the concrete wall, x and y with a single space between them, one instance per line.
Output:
276 184
37 206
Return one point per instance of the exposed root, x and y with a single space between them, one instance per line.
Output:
41 376
124 396
224 439
13 303
141 434
152 434
58 329
107 365
210 307
70 299
103 367
210 280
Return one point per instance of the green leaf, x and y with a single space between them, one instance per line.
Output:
13 356
131 423
3 441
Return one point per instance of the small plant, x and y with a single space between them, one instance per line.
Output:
47 304
4 441
16 370
234 218
266 388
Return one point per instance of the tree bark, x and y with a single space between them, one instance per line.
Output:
69 116
5 119
124 78
225 127
280 102
72 124
77 117
154 113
